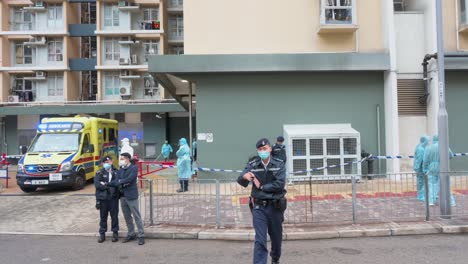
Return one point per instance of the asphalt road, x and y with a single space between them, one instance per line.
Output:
18 249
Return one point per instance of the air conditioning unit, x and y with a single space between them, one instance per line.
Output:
124 73
13 98
41 74
125 91
39 4
41 39
134 59
123 3
124 61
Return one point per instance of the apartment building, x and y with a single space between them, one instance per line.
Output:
258 67
88 57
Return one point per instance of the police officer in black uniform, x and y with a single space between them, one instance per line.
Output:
267 201
107 199
279 150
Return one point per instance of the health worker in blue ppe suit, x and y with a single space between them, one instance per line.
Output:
166 150
418 165
184 168
431 167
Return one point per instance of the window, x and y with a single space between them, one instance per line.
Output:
85 144
55 49
23 89
55 84
151 86
23 54
54 15
105 135
111 16
176 3
112 49
111 84
22 19
338 12
463 16
177 50
111 135
150 14
176 27
150 47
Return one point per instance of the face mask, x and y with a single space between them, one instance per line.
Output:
264 154
122 163
106 166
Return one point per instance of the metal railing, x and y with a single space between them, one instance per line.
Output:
380 198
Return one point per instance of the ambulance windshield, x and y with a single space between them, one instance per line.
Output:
56 143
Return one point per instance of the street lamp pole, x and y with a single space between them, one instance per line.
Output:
442 117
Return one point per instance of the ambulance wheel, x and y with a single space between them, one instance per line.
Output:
28 189
80 181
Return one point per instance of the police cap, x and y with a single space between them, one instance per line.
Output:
280 139
262 142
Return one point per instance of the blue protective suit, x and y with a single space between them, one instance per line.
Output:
431 166
166 150
418 165
184 169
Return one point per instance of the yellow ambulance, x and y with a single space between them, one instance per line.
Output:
66 152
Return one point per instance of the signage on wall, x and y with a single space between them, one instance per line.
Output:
208 137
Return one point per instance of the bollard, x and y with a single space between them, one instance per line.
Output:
353 190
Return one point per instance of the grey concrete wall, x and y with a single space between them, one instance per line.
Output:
241 108
457 107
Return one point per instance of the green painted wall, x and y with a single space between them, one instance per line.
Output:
457 107
241 108
11 123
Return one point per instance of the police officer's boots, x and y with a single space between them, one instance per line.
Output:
115 237
101 238
275 261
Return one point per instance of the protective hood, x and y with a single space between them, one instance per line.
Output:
424 140
182 141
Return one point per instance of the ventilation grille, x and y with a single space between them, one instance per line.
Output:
410 93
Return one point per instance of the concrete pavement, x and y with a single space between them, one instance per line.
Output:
75 215
447 249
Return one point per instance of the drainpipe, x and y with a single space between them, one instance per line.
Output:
427 58
425 63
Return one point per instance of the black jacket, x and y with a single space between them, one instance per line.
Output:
127 179
272 179
105 192
279 152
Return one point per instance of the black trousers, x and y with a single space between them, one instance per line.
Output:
109 207
267 219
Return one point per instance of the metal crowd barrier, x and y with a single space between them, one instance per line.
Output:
386 197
